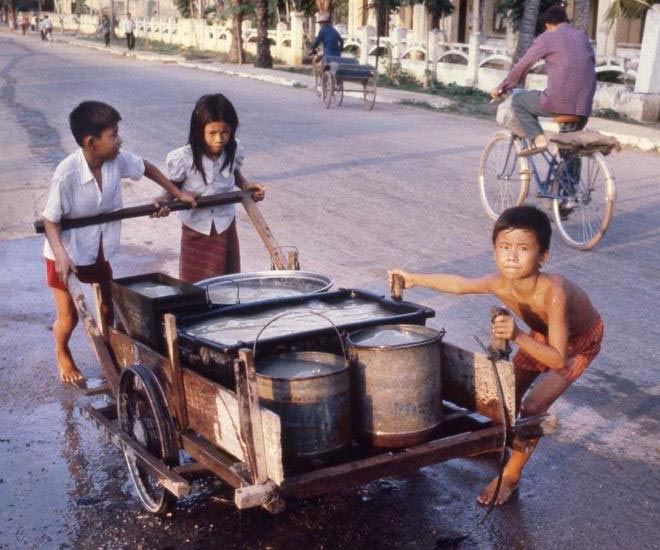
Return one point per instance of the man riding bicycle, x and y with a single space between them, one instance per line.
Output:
332 41
570 67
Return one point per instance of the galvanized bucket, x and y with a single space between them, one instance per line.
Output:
311 392
315 405
397 384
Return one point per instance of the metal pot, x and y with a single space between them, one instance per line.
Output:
241 288
311 393
397 383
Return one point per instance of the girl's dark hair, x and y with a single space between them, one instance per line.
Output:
525 217
212 108
554 15
90 118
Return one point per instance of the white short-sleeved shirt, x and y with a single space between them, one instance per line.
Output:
74 193
129 25
180 168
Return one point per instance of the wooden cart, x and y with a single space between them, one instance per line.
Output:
331 74
163 405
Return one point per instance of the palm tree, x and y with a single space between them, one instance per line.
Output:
628 9
264 59
581 15
527 30
236 54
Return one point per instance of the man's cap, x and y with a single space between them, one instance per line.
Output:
322 17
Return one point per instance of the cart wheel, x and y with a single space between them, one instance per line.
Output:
339 90
370 92
328 91
142 414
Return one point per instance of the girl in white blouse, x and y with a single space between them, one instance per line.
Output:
210 164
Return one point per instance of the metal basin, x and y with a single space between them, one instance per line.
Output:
397 384
311 393
241 288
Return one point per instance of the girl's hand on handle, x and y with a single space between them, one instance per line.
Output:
407 277
257 189
190 198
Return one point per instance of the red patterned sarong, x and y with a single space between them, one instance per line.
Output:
582 349
204 256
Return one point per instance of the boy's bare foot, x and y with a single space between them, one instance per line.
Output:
508 488
69 373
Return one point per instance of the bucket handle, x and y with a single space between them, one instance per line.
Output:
277 317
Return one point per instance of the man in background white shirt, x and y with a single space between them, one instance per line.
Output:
129 29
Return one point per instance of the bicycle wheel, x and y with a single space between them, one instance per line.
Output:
339 91
316 69
327 88
584 216
503 175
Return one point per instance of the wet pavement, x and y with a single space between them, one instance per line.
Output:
357 192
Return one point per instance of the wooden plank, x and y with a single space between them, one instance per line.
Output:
128 351
96 338
246 440
246 358
165 475
213 459
176 374
255 495
467 380
264 232
362 471
213 414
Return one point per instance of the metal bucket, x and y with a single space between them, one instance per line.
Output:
311 393
397 383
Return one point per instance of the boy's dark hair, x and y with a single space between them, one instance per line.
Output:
525 217
554 15
90 118
212 108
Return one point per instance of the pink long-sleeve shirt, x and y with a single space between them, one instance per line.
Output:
570 66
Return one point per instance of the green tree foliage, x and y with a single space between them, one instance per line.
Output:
183 6
628 9
513 10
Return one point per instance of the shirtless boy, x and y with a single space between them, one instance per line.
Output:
565 329
87 183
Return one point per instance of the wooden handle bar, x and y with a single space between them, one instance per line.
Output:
147 209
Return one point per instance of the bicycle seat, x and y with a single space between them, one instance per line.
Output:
568 119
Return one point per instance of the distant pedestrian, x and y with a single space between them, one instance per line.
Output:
129 29
46 28
34 22
104 29
24 22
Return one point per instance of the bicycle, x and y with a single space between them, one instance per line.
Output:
577 180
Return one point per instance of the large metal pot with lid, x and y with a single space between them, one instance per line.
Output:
311 393
397 384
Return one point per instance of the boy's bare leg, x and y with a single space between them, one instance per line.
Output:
548 387
66 321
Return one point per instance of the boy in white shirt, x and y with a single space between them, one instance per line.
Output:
87 183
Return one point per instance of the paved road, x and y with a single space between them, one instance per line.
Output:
357 192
